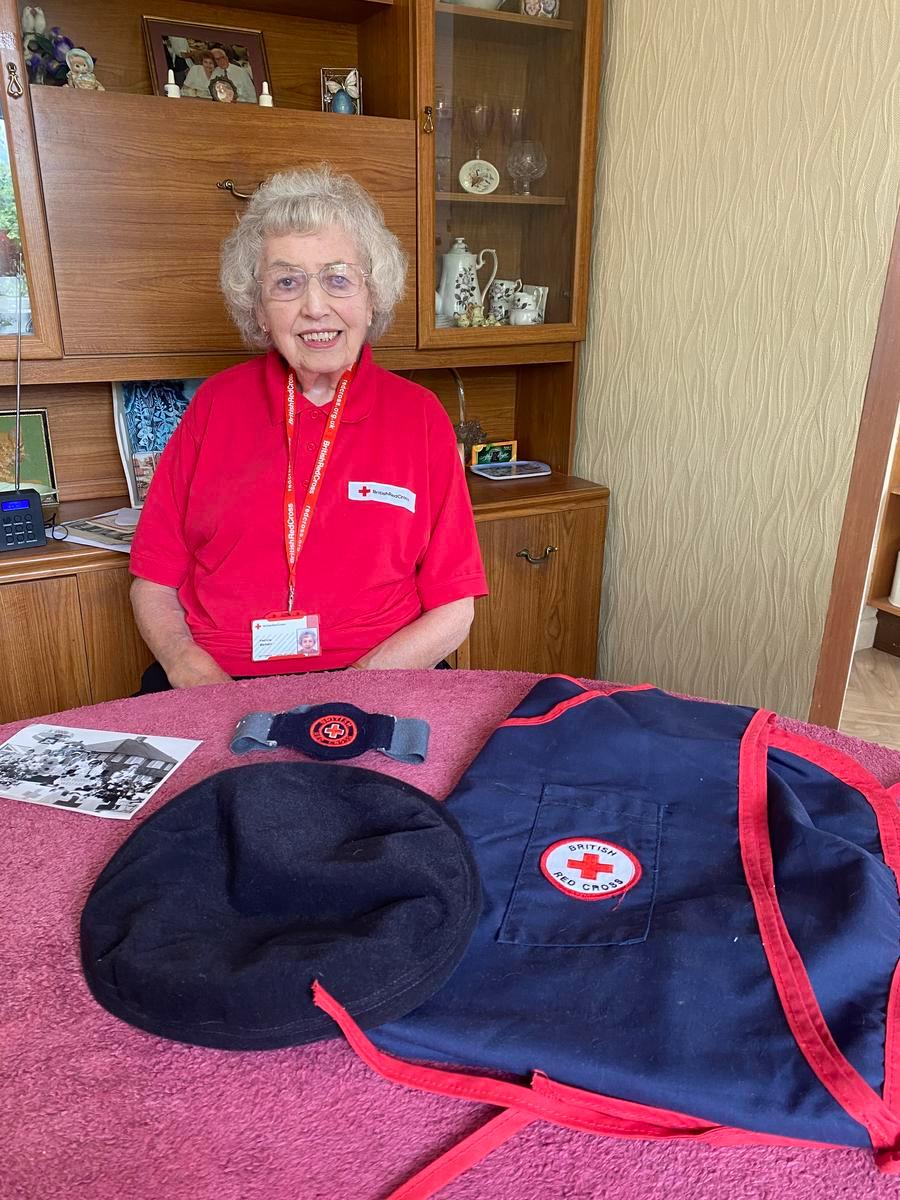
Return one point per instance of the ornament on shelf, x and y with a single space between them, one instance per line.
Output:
265 96
171 88
81 71
341 90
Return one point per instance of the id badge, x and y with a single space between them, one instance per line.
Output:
285 635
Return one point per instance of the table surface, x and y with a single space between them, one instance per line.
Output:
96 1110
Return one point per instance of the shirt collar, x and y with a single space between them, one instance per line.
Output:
359 400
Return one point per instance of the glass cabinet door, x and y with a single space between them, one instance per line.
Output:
506 168
27 301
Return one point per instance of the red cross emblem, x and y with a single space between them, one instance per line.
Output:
333 730
589 866
364 491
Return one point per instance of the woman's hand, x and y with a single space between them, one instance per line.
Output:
193 667
160 618
425 641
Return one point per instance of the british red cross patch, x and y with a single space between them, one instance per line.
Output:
333 731
589 868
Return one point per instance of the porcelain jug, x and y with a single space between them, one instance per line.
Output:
459 278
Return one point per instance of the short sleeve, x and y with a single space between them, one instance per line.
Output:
451 567
159 552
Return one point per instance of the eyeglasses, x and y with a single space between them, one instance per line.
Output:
342 281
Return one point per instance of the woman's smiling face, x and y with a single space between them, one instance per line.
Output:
317 334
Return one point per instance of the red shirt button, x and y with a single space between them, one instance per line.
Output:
310 445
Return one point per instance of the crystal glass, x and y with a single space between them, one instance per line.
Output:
478 121
512 122
443 122
527 162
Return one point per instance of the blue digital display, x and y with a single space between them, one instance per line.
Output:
9 505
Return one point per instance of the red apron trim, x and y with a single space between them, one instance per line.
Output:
471 1150
795 992
573 702
884 801
557 1103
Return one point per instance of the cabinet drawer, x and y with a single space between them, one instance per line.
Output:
43 667
541 615
140 173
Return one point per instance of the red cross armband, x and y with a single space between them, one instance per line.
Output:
332 732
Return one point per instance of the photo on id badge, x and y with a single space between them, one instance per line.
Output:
285 637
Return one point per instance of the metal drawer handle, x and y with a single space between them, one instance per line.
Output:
227 185
545 557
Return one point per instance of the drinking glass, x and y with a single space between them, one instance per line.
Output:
527 162
512 122
478 121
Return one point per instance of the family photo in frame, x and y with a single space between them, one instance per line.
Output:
209 62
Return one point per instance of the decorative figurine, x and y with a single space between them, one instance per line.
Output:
265 96
81 71
222 89
341 90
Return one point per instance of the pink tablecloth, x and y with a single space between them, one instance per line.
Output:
95 1110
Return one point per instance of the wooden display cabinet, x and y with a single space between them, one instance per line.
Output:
122 217
490 82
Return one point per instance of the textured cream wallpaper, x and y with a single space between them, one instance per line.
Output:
748 183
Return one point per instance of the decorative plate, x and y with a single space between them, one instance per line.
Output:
479 177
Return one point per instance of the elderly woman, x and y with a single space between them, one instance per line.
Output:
308 489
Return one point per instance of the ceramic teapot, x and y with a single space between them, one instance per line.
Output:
459 278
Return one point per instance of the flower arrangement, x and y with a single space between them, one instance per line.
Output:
45 49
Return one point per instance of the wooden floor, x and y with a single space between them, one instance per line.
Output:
872 704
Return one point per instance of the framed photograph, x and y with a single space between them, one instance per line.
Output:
341 90
200 55
493 452
35 454
146 415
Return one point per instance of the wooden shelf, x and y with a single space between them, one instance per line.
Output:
347 12
495 198
494 500
64 557
481 14
884 605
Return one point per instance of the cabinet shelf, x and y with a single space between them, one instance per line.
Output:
480 14
494 198
883 604
348 12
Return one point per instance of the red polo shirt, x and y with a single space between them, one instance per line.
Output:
392 536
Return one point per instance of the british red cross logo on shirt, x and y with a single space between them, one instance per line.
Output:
587 868
364 491
333 730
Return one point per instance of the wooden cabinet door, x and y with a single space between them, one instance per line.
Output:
540 617
22 223
116 653
136 217
43 667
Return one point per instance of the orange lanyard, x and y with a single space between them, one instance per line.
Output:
296 530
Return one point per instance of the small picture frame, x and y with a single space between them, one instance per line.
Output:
146 414
494 452
36 468
200 54
341 90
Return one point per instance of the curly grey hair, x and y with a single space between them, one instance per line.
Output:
306 201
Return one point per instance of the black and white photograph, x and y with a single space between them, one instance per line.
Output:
94 771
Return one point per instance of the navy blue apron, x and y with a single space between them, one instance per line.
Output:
690 928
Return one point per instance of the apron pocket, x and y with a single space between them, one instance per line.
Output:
588 875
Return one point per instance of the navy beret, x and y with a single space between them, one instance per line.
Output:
211 922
